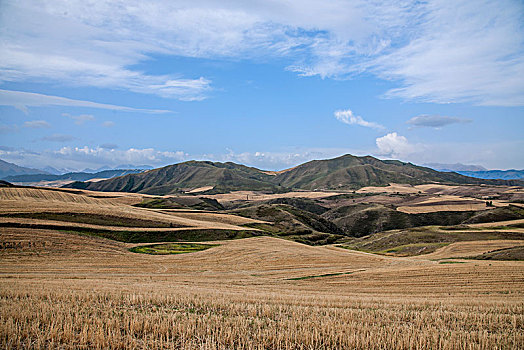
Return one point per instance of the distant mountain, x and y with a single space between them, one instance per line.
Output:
495 174
75 176
131 166
457 167
8 169
343 173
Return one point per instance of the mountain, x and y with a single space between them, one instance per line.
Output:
343 173
495 174
188 175
75 176
8 169
457 167
349 172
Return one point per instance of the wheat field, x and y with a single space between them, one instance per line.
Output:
68 291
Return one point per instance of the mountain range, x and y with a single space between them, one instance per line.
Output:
9 169
73 176
495 174
342 173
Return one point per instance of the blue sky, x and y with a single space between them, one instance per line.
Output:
265 83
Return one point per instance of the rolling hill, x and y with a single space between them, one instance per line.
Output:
343 173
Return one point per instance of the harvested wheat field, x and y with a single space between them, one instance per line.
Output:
62 290
69 280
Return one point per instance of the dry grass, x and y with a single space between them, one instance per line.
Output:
85 292
466 249
31 200
260 196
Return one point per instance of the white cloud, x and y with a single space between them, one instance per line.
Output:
37 124
505 155
22 100
108 124
90 157
395 146
346 116
441 51
79 119
435 121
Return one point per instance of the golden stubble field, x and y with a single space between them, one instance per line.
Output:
61 290
71 291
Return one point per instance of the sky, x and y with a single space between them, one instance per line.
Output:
271 84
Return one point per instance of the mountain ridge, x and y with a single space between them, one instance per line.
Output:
9 169
346 172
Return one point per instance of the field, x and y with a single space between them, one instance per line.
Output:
70 288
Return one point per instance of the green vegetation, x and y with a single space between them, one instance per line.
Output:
183 202
422 240
324 275
95 219
171 248
192 235
360 220
514 253
451 262
291 223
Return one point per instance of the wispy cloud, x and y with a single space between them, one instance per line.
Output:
440 51
435 121
58 138
22 100
108 124
109 146
37 124
470 51
347 117
79 119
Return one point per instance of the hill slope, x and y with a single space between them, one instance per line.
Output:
349 172
343 173
188 175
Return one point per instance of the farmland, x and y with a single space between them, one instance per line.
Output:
63 285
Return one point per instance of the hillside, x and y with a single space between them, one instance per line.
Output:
349 172
186 176
9 169
343 173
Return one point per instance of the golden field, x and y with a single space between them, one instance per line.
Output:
62 290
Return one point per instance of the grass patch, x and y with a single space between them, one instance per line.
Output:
95 219
451 262
171 248
192 235
324 275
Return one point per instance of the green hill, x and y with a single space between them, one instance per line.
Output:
350 172
343 173
185 176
